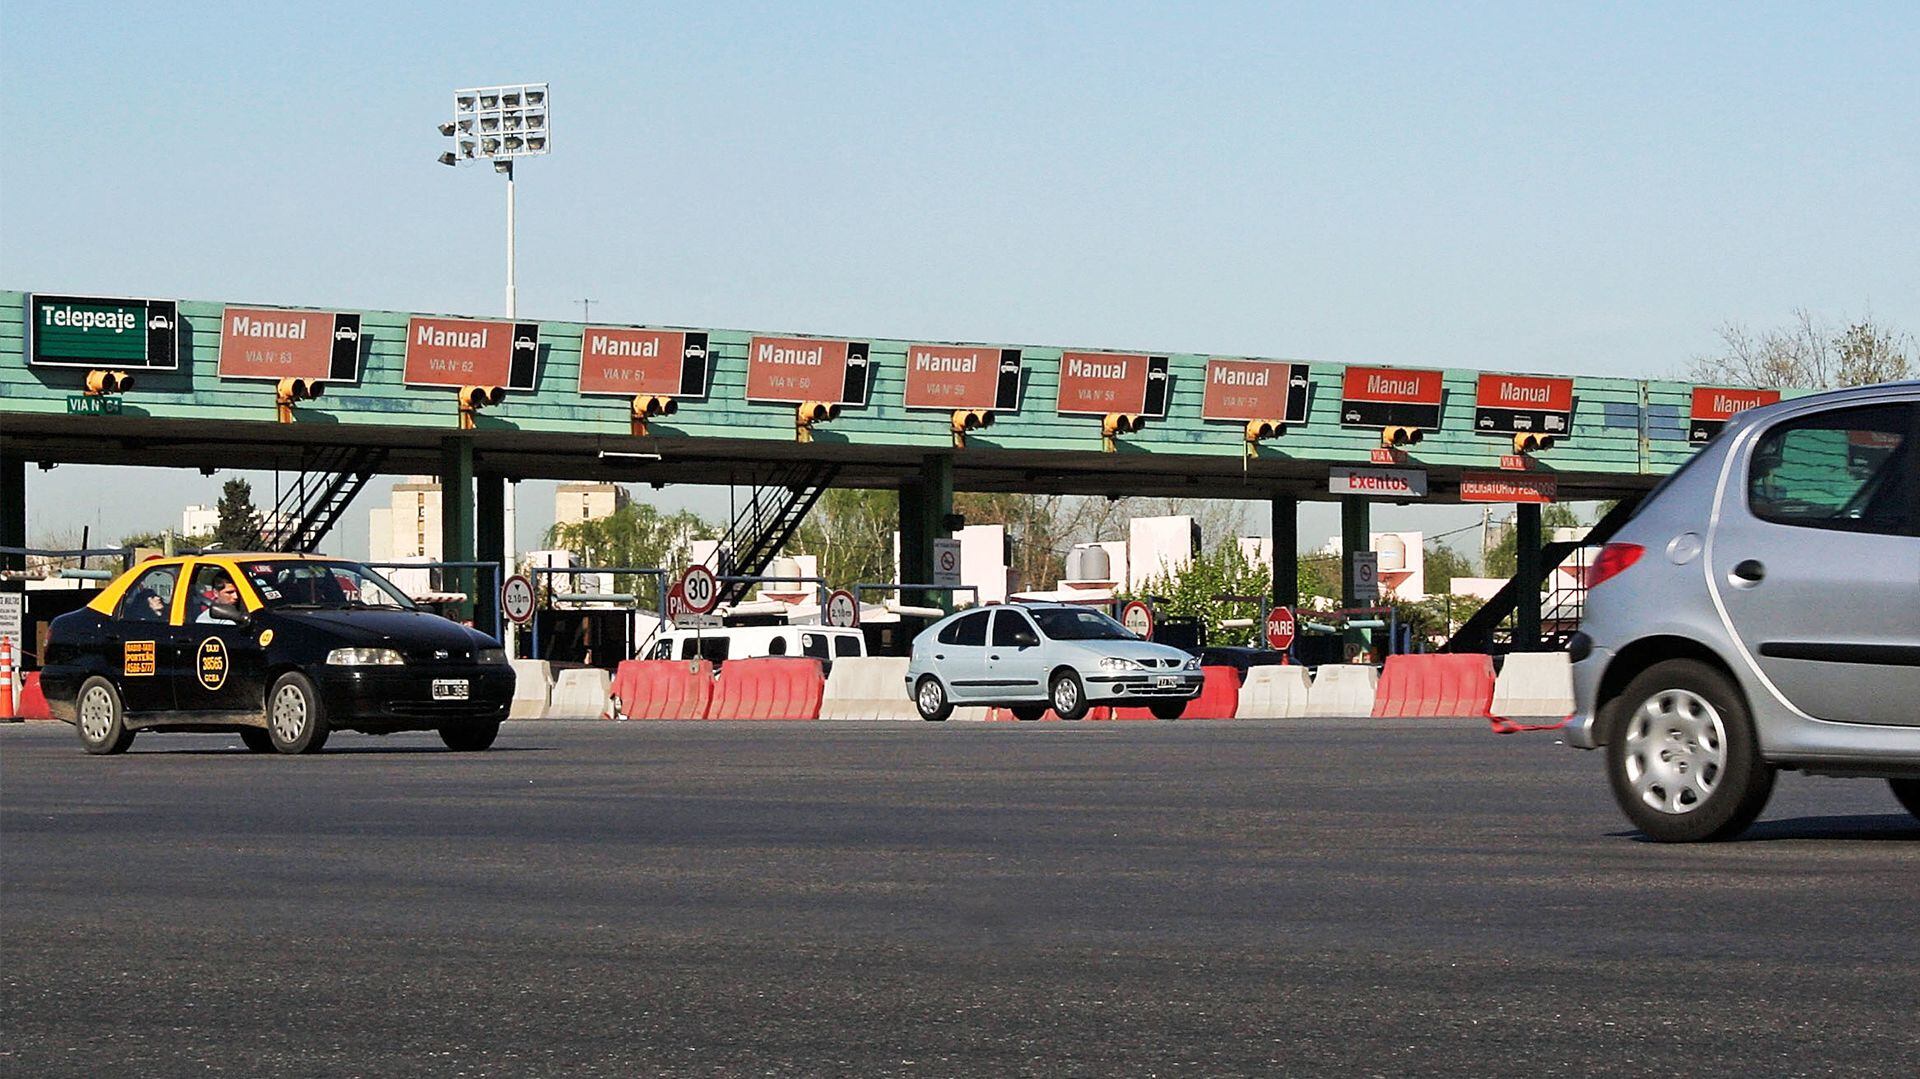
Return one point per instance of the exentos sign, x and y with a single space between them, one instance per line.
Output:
1713 407
472 352
1390 397
102 332
273 343
789 370
963 376
633 363
1378 482
1523 404
1097 383
1243 390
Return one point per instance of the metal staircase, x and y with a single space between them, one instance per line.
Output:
330 477
772 514
1560 608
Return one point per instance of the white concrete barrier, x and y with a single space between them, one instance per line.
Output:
580 693
1534 685
1343 689
870 687
1274 691
532 688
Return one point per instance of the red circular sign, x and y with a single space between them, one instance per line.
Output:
1138 617
842 609
701 590
516 599
1280 628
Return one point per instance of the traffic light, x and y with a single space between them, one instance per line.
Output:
1118 423
1529 442
99 382
647 406
1399 436
808 413
475 398
1257 430
290 391
969 419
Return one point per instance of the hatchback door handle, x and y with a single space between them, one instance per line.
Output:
1750 571
937 655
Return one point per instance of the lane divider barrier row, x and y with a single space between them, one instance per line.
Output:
1435 684
1274 692
1342 689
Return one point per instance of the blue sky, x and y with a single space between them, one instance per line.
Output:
1587 189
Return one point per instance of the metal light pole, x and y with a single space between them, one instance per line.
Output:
501 124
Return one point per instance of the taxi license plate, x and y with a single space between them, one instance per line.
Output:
449 689
1169 682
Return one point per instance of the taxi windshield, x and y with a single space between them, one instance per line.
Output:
1080 624
307 585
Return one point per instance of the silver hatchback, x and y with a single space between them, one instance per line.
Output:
1031 657
1761 611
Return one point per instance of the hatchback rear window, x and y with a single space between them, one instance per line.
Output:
1847 469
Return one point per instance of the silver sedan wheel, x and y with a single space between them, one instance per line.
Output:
1676 751
96 713
931 698
1066 696
289 713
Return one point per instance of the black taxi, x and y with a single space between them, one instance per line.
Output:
283 649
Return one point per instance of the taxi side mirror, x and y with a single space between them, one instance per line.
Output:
230 613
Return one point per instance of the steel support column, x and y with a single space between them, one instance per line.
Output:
1355 538
1286 552
925 503
13 509
1528 571
490 545
457 516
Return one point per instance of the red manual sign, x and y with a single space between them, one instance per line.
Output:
635 362
1713 407
258 342
1096 383
963 376
788 370
471 352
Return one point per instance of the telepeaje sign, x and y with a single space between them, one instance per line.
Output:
102 332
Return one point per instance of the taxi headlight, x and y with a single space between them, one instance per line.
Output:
491 655
1119 663
364 657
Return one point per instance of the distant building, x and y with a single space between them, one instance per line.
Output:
574 503
408 526
199 520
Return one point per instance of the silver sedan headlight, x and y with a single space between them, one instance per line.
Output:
1118 663
364 657
1193 663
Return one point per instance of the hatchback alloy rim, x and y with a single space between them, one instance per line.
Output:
930 697
96 714
1676 751
289 714
1065 696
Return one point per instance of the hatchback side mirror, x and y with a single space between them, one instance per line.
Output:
230 613
1025 639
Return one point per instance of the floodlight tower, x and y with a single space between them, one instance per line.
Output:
500 124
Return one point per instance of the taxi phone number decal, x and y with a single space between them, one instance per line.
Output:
137 659
213 663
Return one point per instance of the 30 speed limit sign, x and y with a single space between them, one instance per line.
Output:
701 590
842 609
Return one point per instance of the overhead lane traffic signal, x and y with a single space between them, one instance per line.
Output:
969 419
1116 424
808 413
475 398
1259 429
105 382
290 391
1529 442
648 405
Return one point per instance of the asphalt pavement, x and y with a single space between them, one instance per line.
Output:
1140 899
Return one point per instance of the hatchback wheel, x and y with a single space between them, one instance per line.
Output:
1908 791
102 718
1068 695
931 699
296 722
1683 759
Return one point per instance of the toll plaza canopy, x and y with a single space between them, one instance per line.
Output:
208 390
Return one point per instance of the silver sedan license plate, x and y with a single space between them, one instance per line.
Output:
1169 682
449 689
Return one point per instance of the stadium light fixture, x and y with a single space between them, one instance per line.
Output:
494 124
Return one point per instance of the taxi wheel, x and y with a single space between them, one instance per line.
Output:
930 697
1168 709
102 719
1908 791
256 739
470 737
296 722
1027 713
1684 762
1069 697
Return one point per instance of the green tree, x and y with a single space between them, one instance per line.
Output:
239 527
1190 591
637 534
851 533
1443 564
1504 560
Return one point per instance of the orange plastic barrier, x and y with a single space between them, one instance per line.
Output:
1435 685
1219 697
33 703
663 688
786 687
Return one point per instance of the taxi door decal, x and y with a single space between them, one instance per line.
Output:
212 665
136 660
